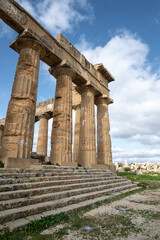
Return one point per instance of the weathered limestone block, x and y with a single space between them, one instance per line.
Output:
76 134
104 153
61 137
45 107
116 165
148 166
19 125
87 145
125 165
136 166
43 135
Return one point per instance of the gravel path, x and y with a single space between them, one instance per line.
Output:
135 217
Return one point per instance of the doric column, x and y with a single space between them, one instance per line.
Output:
43 135
76 134
1 134
104 153
61 137
19 125
87 144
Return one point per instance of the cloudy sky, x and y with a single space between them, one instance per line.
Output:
124 35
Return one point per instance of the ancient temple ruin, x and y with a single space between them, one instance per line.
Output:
32 191
80 86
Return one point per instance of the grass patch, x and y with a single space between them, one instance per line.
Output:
147 180
1 164
145 176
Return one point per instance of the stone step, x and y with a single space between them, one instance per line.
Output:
42 190
16 213
49 169
38 184
53 173
18 202
19 223
51 178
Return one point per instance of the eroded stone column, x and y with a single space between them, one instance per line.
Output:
104 153
43 135
61 137
76 134
87 144
1 134
19 125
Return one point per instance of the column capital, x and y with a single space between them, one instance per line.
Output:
63 68
45 115
103 99
75 107
88 87
27 42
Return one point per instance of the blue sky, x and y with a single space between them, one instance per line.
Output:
122 34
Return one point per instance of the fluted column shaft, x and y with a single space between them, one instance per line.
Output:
61 137
19 126
87 155
76 134
43 135
1 134
104 153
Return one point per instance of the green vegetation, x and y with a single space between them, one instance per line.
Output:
145 176
75 220
148 180
1 164
48 163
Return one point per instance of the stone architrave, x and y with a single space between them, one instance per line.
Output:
61 137
87 143
19 126
76 134
43 135
104 153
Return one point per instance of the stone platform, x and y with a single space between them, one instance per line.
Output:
29 194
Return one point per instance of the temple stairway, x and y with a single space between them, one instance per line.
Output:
29 194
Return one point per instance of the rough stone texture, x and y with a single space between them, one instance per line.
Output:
61 138
45 107
139 168
18 134
87 144
77 134
1 134
104 153
58 49
43 135
19 125
35 193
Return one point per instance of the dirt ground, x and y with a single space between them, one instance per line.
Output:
135 217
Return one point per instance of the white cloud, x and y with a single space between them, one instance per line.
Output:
134 116
59 15
143 155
